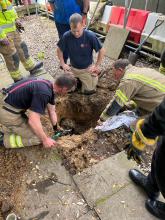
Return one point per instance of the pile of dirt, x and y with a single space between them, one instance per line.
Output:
81 151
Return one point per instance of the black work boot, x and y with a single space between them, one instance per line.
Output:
141 180
36 68
156 208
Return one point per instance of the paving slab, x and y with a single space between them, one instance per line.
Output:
50 192
117 35
104 179
127 204
107 188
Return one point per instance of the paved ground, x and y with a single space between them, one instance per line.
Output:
103 191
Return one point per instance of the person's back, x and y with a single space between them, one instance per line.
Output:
149 86
64 9
32 93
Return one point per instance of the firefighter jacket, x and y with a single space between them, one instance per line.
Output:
8 17
154 125
144 86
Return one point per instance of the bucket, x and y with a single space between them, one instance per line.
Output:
11 216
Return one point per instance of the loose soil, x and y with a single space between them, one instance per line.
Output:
86 146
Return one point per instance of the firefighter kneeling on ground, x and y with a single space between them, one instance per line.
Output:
140 88
146 133
34 95
12 47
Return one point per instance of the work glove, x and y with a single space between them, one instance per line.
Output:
19 26
138 143
4 42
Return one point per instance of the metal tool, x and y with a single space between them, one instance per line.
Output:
60 133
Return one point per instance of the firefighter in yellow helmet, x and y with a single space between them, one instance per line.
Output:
12 47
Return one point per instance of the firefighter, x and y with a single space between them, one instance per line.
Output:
12 47
140 88
147 133
162 63
34 95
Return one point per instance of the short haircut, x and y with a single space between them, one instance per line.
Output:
66 80
163 58
75 19
121 63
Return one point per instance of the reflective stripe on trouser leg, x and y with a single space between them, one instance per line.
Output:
15 141
29 64
19 141
16 75
12 141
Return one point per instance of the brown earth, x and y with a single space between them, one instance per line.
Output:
81 150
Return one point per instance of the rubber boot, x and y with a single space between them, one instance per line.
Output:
156 208
38 66
141 180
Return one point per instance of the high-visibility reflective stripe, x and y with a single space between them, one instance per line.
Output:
122 96
12 140
16 74
19 141
157 85
2 27
29 63
162 69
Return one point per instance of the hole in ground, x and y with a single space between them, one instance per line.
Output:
80 112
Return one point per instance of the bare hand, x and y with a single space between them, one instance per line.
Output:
49 143
4 42
94 69
66 67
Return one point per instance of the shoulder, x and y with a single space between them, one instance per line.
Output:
67 35
89 34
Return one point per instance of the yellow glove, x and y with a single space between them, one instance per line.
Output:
138 132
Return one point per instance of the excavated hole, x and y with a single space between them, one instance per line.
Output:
88 146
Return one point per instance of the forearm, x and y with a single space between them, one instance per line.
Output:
35 124
86 6
53 117
60 56
100 56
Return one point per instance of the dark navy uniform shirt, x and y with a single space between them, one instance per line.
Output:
34 96
80 50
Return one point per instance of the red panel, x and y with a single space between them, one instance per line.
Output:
115 14
139 20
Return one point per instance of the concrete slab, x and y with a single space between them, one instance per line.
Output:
50 193
104 179
115 41
127 204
